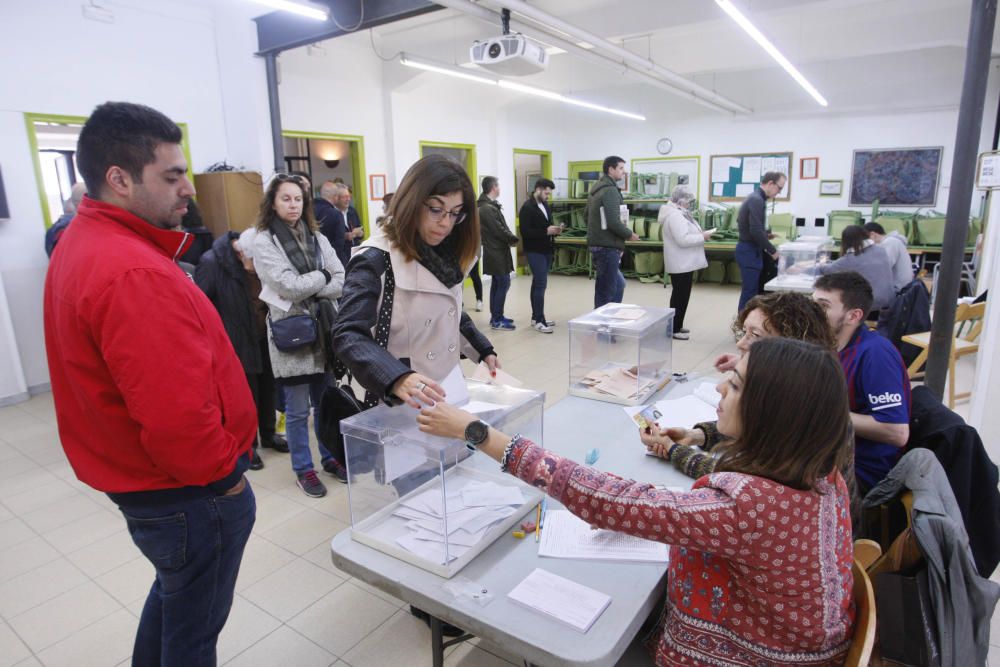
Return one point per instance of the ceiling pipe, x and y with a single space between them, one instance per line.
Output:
491 17
549 22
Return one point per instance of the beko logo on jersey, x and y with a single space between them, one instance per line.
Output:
885 400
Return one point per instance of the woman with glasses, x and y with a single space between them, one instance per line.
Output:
414 271
298 264
760 551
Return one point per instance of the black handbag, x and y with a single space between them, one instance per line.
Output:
339 402
292 333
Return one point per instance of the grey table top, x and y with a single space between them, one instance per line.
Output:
572 427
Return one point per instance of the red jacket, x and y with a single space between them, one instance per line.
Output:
148 391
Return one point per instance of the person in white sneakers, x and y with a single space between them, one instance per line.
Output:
538 235
683 252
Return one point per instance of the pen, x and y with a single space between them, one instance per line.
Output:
538 520
545 506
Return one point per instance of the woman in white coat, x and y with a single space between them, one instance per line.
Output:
429 242
683 252
299 265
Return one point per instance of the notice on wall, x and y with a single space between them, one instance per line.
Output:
988 173
744 189
720 170
751 169
717 190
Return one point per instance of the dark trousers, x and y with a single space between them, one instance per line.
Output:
263 390
540 263
680 295
609 282
751 263
477 281
196 547
499 286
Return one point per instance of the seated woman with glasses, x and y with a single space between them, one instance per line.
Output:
296 261
760 564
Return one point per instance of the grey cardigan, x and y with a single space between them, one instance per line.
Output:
963 601
276 271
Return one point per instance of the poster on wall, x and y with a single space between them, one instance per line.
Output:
896 176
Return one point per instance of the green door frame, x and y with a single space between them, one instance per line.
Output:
358 167
471 167
547 173
29 122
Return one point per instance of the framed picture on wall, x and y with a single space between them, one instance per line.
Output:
831 188
376 186
809 168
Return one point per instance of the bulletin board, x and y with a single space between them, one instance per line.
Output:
733 177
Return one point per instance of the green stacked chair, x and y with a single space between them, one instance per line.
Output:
929 229
714 273
654 231
839 220
577 219
733 274
783 224
975 227
893 221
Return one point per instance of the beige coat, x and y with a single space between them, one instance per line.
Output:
425 316
683 241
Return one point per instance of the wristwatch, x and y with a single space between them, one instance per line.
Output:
476 433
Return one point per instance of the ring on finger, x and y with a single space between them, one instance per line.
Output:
421 386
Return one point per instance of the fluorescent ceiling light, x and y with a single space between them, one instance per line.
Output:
419 63
461 73
295 8
772 50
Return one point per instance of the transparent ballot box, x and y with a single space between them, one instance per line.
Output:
429 501
798 259
620 353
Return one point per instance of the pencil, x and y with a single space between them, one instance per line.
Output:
538 520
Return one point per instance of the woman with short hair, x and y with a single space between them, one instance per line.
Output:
683 252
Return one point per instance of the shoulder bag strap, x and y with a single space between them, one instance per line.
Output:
384 320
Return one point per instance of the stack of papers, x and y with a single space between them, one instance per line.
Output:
567 601
617 382
469 511
683 412
567 536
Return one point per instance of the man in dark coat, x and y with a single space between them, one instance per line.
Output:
226 275
539 233
497 242
331 220
754 246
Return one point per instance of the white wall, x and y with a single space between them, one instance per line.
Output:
55 62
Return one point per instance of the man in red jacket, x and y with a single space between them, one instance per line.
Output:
152 403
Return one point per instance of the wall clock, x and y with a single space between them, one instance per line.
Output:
664 146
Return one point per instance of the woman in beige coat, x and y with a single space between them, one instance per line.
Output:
683 252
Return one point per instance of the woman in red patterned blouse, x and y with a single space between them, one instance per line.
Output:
760 564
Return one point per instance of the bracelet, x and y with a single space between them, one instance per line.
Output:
505 459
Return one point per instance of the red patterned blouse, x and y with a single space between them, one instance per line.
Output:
759 574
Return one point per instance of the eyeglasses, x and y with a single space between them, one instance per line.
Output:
438 214
294 178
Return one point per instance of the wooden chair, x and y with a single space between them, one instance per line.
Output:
965 342
863 643
866 552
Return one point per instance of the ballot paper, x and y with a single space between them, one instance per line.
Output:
455 390
566 601
566 536
483 375
685 411
473 508
625 313
707 392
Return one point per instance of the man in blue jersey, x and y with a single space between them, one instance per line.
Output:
878 386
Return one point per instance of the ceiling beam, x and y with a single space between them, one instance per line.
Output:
280 31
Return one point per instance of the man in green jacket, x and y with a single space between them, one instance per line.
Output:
607 233
497 242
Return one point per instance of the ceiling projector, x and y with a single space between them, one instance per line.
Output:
512 54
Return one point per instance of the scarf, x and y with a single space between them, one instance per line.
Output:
303 263
441 261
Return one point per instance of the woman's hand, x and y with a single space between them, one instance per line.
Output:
659 440
727 362
492 363
444 420
416 390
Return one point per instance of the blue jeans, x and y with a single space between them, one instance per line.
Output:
299 398
499 286
196 547
539 263
750 260
609 281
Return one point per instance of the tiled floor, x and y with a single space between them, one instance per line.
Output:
72 583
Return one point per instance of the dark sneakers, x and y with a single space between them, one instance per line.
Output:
310 484
255 462
502 325
334 469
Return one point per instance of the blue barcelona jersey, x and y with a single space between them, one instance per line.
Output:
877 385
